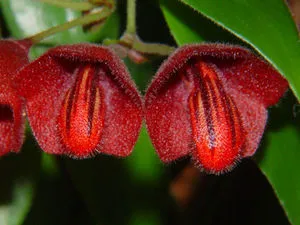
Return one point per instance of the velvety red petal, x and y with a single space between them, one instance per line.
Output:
254 117
167 117
229 99
241 69
112 118
13 56
11 121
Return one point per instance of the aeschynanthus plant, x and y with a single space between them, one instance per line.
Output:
210 101
80 100
13 56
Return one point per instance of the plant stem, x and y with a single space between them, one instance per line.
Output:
152 48
82 6
108 3
84 20
131 17
130 39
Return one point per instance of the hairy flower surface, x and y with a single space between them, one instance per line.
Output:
13 56
210 101
80 100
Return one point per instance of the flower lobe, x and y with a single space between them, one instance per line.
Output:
82 113
209 101
216 125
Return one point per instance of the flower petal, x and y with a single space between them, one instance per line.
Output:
210 100
167 117
85 102
241 69
13 56
216 122
254 116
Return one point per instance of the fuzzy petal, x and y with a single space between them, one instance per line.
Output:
13 56
241 69
167 117
254 116
210 100
118 102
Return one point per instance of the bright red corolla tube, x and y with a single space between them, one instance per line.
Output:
80 100
13 57
210 101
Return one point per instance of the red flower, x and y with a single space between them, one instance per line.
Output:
80 100
13 56
210 101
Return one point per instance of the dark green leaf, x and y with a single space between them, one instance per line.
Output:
188 26
279 159
141 73
178 18
280 165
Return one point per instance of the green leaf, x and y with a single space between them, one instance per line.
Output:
18 182
27 17
279 164
36 51
144 164
141 73
188 26
279 159
178 18
266 25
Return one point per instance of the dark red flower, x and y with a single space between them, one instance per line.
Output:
80 100
209 101
13 56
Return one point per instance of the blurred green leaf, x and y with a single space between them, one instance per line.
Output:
56 200
145 218
18 175
103 184
28 17
266 25
141 73
144 164
123 191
